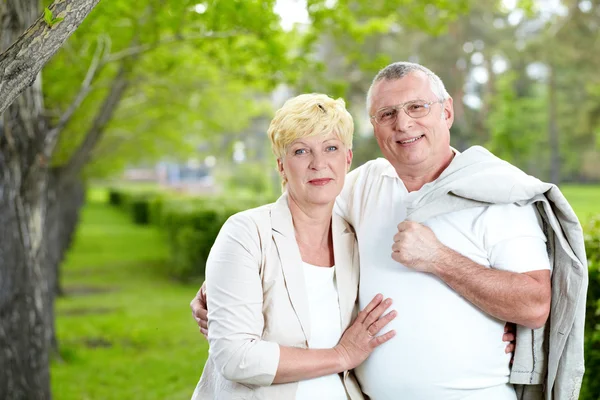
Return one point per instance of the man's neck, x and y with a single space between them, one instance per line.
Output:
416 177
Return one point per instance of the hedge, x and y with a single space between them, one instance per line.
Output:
190 225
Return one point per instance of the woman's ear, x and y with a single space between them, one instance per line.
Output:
349 156
280 168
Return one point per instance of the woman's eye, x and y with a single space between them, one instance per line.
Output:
300 151
332 148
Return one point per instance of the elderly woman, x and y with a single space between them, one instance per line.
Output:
282 279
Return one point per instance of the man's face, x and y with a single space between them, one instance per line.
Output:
413 143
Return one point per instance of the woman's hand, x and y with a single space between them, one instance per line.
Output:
359 340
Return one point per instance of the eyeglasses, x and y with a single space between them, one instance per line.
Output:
414 109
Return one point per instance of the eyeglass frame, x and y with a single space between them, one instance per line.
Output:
402 106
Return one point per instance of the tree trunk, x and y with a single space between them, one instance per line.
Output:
553 128
23 177
62 216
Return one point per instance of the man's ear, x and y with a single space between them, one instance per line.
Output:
448 112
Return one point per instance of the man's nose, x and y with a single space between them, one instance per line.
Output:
403 121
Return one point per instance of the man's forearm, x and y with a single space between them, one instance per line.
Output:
508 296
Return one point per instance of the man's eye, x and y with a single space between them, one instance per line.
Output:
415 107
387 114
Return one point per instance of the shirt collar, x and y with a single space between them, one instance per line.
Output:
390 171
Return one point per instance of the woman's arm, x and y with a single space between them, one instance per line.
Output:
354 347
235 300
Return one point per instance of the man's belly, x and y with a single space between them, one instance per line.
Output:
445 348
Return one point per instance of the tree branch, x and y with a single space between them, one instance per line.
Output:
86 87
21 62
82 155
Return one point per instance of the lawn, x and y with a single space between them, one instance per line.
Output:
125 331
585 200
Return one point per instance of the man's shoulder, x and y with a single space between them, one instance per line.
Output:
376 167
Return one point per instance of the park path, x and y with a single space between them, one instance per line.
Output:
124 329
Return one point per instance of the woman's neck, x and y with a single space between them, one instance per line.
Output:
312 222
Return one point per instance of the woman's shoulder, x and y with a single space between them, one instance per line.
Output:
252 220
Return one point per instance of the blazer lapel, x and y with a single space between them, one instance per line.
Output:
291 261
343 252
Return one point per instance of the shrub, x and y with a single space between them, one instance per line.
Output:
191 231
114 197
192 226
140 210
134 201
591 382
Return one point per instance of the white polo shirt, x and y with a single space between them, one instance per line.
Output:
445 347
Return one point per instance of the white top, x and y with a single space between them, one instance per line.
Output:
445 348
325 331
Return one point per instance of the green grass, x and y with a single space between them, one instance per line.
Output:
585 200
125 331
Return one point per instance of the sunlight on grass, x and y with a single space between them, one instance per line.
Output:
585 200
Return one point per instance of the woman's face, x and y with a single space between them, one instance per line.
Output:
315 168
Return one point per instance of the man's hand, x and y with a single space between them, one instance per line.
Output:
510 336
200 310
416 246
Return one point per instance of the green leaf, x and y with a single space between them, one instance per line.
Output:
57 20
48 17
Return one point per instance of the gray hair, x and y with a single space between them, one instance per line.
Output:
399 70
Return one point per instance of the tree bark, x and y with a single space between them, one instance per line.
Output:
23 341
62 217
553 127
21 62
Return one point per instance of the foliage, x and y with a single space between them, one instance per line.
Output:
188 70
514 122
591 383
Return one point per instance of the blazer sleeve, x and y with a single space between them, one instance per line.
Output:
235 301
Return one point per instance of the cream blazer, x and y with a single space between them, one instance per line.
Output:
257 301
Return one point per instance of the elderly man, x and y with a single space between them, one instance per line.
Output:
473 242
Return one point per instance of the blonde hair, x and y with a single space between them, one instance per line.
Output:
309 115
